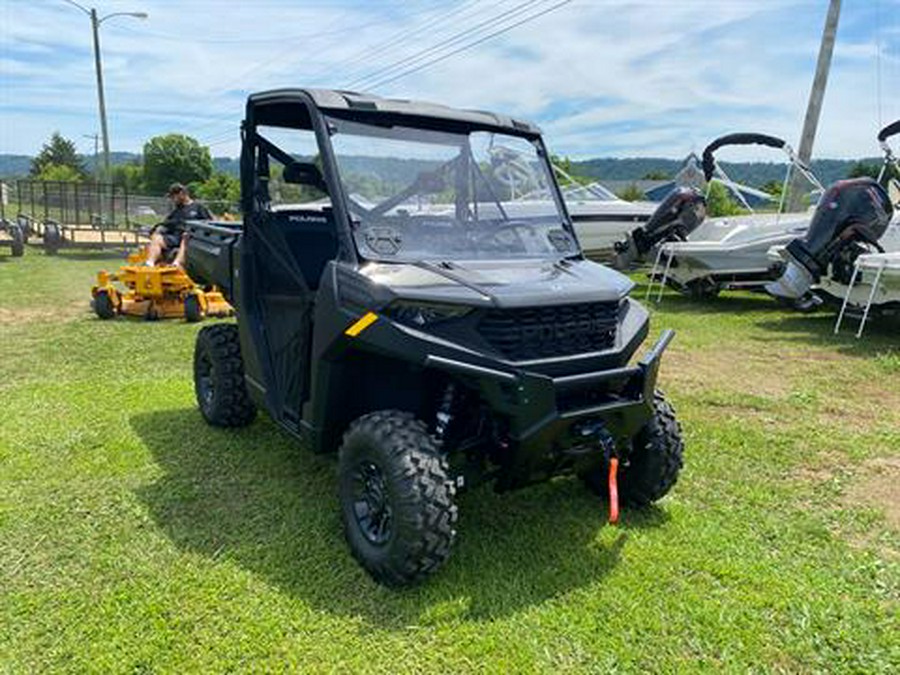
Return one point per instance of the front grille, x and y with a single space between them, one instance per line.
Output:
547 332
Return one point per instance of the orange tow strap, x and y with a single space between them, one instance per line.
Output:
613 490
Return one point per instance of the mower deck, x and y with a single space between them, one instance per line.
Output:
158 292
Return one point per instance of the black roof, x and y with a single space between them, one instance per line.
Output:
337 100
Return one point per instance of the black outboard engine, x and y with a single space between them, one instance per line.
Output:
850 212
679 214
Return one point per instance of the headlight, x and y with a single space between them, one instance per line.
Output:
423 313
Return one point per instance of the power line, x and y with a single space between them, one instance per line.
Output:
466 47
402 36
228 134
222 142
224 136
228 117
319 34
255 67
453 39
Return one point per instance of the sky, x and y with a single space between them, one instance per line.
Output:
650 78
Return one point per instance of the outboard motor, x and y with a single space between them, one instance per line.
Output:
679 214
850 212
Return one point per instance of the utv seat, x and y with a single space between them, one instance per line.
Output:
310 238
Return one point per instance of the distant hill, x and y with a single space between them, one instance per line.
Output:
755 174
229 165
14 165
18 166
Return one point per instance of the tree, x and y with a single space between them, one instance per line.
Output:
221 188
569 168
59 152
861 169
128 176
657 175
175 158
58 172
632 193
719 202
774 188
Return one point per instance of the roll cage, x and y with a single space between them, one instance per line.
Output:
310 110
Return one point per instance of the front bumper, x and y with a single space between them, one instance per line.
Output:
553 420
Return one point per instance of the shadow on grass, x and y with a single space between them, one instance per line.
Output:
880 335
258 498
727 302
790 325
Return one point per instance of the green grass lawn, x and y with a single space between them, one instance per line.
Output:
136 539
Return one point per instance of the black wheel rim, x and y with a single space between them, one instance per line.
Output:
371 503
205 386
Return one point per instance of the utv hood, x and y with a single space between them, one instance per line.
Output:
506 283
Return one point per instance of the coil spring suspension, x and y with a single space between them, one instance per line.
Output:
444 415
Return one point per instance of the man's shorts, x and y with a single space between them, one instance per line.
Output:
171 238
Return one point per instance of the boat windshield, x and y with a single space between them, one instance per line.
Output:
575 191
796 191
419 194
591 192
890 175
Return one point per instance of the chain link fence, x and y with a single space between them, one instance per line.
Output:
97 205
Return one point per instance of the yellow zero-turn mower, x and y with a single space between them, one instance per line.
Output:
158 292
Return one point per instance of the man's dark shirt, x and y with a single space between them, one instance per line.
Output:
174 222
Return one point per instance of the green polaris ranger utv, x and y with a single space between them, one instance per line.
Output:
410 294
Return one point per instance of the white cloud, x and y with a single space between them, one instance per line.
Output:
601 76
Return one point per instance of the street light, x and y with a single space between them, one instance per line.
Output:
95 26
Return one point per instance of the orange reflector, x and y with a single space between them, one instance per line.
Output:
364 322
613 490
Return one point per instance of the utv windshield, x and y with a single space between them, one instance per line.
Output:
418 194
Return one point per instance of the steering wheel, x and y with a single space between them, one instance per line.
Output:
513 226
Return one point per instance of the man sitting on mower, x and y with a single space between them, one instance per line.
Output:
170 235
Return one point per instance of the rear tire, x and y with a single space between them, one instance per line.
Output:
17 246
654 463
52 238
219 384
396 498
24 224
104 307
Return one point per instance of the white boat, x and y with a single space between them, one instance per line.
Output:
603 222
732 251
602 219
875 280
856 218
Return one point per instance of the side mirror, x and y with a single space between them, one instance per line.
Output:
304 173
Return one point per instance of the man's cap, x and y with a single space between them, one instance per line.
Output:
175 188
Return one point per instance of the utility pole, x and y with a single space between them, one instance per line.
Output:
95 26
818 89
816 94
95 29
